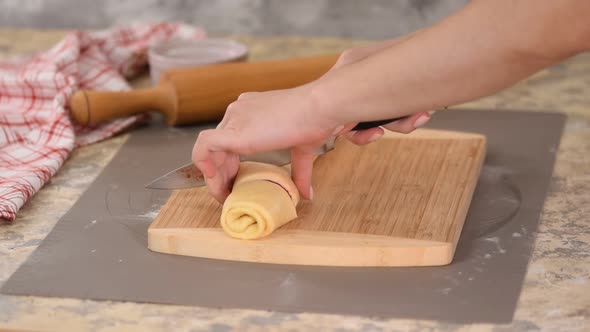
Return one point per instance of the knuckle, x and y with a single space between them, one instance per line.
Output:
203 138
247 95
244 95
205 134
233 108
345 57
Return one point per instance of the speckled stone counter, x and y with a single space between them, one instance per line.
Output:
556 293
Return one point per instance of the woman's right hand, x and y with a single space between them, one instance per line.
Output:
405 125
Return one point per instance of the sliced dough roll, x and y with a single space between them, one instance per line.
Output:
263 199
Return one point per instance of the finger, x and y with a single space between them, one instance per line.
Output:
213 176
367 136
217 185
216 190
215 154
220 185
405 125
201 156
301 170
409 124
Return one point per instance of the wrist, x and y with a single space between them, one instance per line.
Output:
324 104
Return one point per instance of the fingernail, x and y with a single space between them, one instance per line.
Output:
375 137
338 129
310 193
421 121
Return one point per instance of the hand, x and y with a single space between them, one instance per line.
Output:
262 122
273 120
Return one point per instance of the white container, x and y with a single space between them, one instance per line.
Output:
192 53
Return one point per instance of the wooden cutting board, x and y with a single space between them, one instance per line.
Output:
400 201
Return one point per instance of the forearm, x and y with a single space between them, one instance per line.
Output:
487 46
356 54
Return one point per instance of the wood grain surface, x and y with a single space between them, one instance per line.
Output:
401 201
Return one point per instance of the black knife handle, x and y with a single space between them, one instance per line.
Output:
373 124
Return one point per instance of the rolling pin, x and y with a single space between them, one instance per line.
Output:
198 94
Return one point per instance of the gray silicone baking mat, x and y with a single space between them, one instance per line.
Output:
98 249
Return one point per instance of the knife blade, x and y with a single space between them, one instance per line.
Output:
189 176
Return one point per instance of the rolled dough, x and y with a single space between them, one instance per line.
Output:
263 199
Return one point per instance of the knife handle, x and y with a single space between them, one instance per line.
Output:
373 124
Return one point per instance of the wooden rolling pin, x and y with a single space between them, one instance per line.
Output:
199 94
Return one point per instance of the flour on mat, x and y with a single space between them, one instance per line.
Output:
446 291
152 214
90 224
496 240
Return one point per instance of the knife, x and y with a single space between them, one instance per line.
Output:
189 176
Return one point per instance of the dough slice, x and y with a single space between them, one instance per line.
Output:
263 199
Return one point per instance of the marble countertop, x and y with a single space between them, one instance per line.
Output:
556 293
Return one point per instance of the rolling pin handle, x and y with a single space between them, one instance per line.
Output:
79 108
94 107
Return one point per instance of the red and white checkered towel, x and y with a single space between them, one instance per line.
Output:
36 132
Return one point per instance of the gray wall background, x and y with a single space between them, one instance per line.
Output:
364 19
